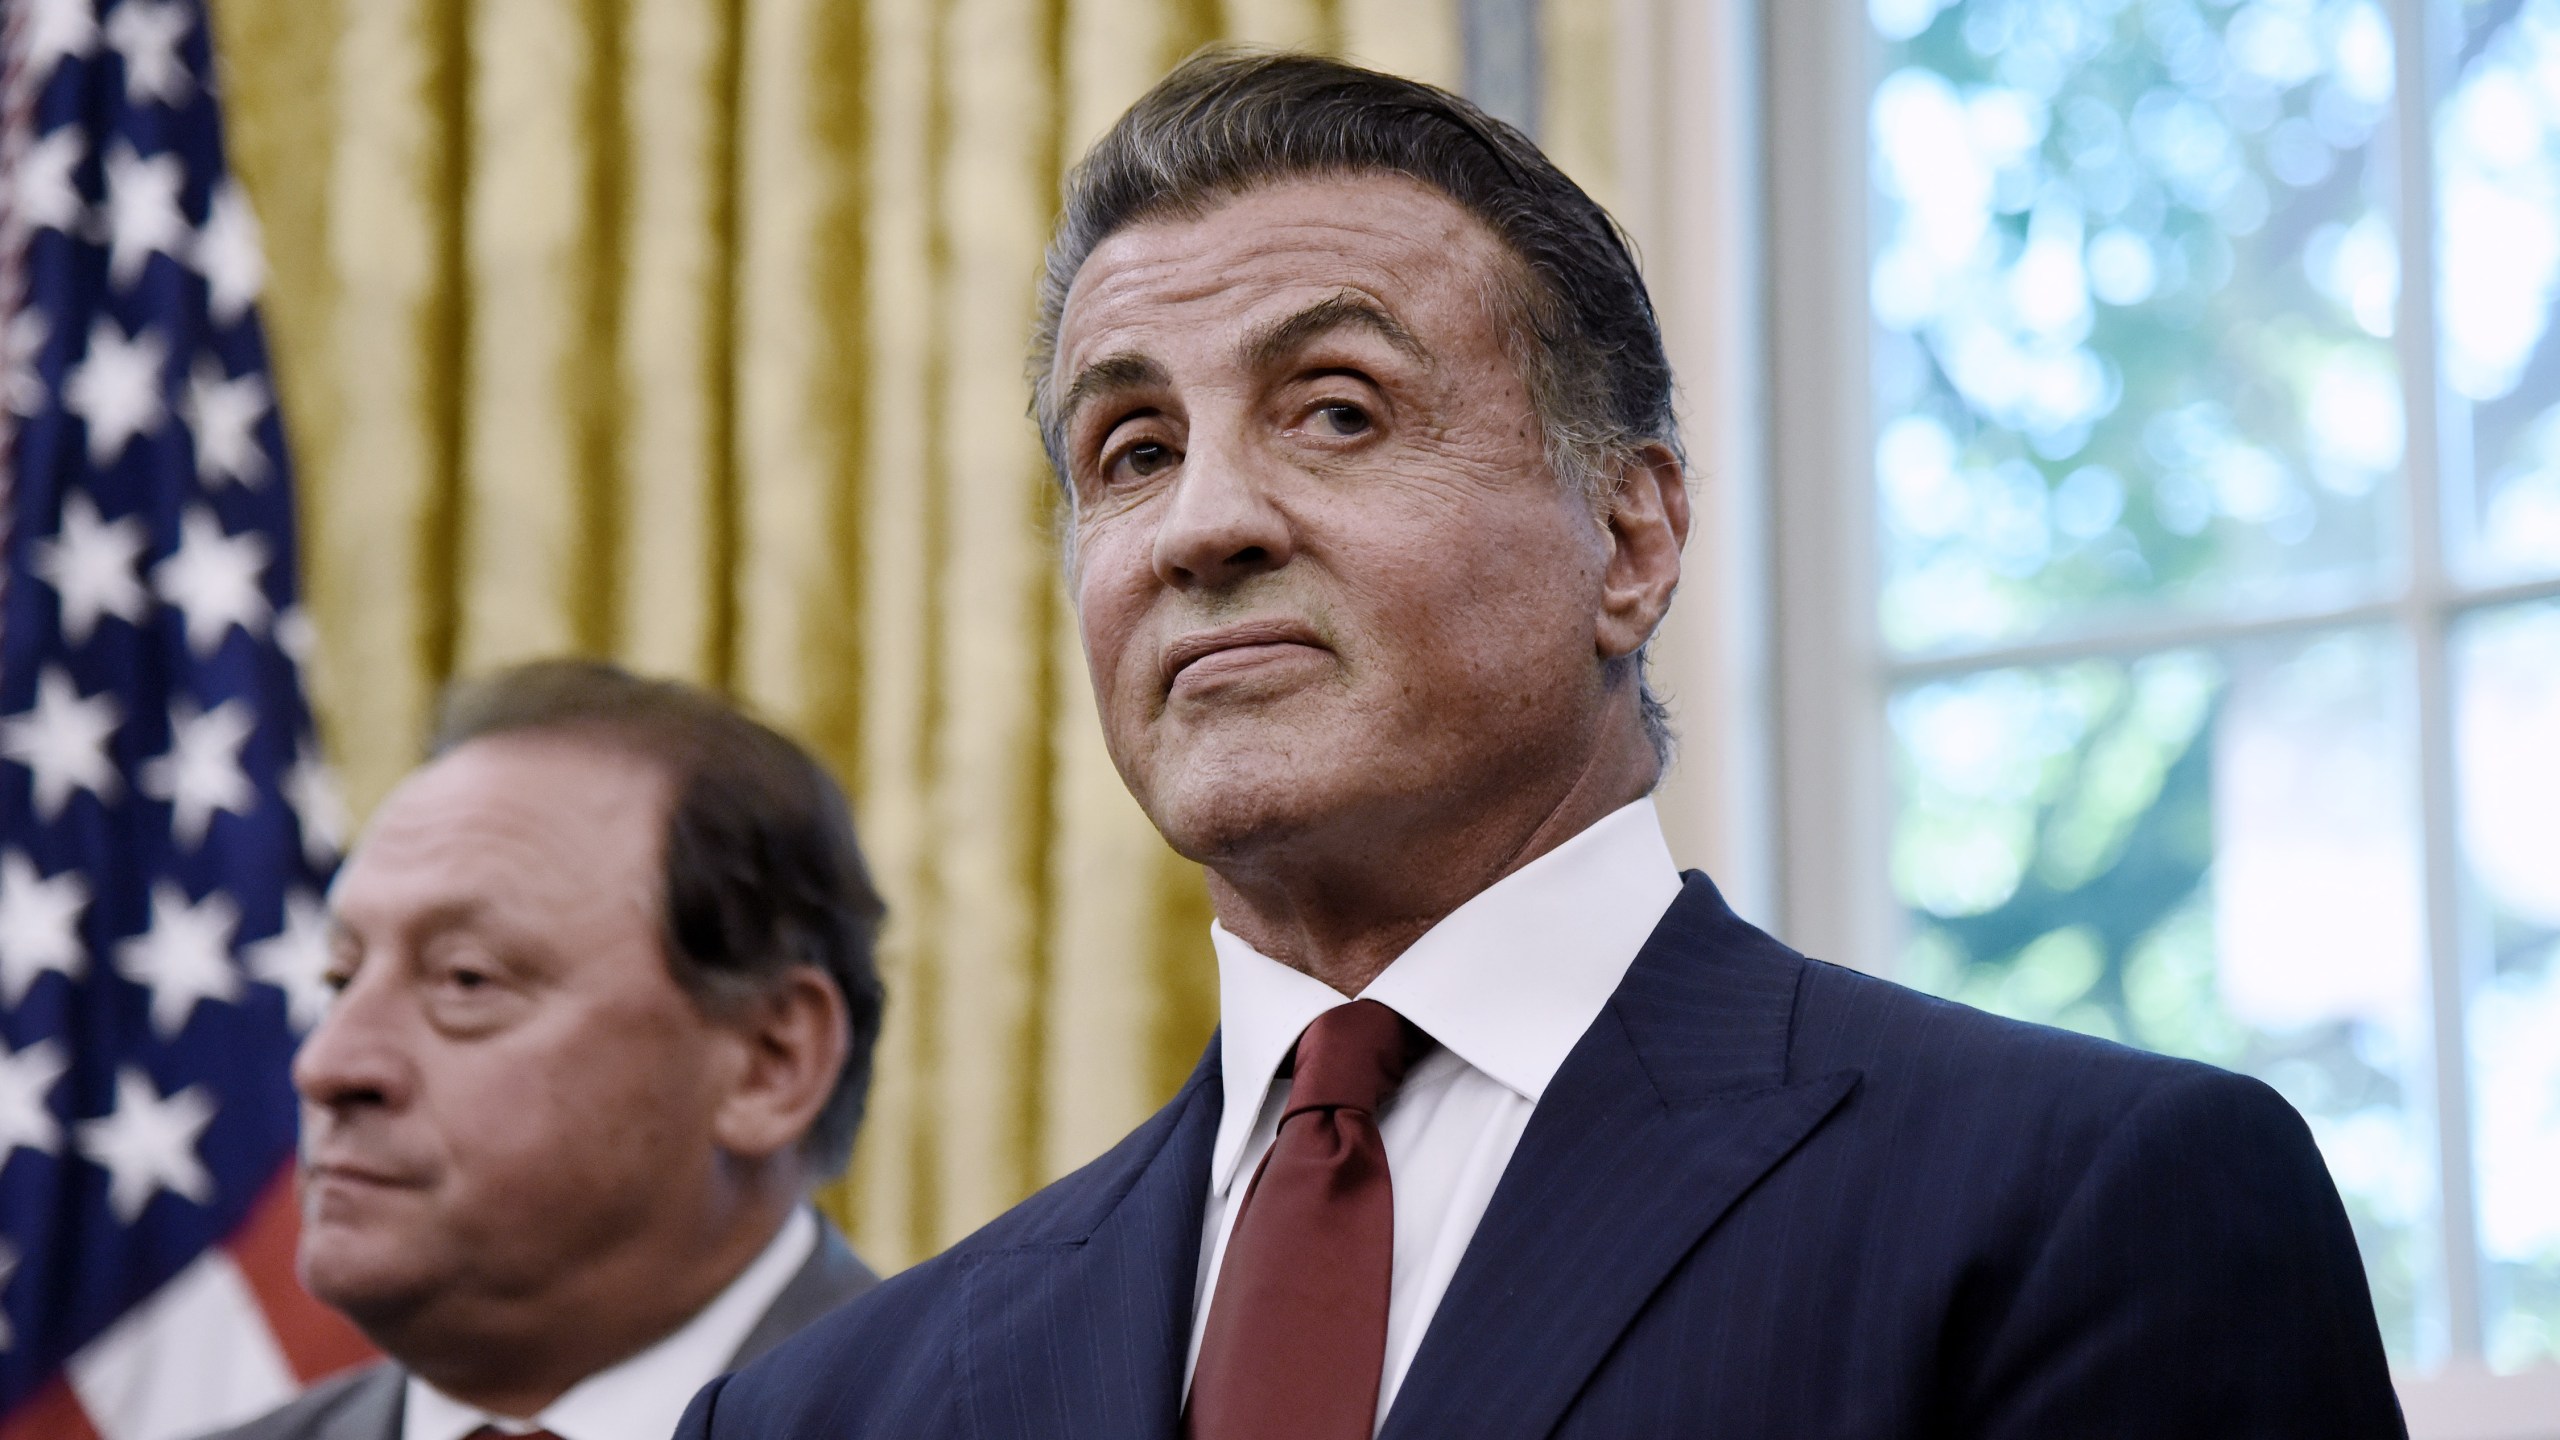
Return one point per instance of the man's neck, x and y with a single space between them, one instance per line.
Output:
1343 912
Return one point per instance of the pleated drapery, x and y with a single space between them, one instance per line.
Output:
690 333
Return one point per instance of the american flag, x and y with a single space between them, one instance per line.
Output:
166 826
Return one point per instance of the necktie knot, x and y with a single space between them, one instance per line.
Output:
1351 1058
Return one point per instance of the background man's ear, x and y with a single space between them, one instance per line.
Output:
795 1036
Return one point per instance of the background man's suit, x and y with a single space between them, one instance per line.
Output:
366 1405
1764 1197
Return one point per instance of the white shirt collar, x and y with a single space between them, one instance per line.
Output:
1508 982
642 1397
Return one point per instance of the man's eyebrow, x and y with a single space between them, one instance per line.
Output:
1125 371
459 912
1275 342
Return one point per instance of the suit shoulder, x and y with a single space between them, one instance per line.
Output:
1848 1019
362 1404
2032 1125
1073 1206
889 1353
903 1310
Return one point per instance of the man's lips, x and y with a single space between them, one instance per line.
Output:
1240 643
341 1172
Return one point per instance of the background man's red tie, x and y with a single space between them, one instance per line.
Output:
1297 1331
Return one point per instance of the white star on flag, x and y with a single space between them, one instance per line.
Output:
89 563
295 636
214 578
22 387
142 212
311 788
224 415
43 194
201 773
148 1144
56 30
296 960
229 254
63 741
116 388
39 926
26 1077
185 957
147 35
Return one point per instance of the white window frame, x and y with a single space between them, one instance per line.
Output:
1743 174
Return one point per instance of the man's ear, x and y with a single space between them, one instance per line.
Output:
793 1039
1648 522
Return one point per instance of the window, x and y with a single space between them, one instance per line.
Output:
2164 416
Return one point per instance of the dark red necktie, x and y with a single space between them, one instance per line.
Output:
1297 1331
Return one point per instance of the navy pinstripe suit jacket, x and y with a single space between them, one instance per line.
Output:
1765 1197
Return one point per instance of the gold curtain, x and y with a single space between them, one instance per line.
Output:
690 333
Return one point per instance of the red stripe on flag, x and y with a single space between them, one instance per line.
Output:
317 1341
53 1414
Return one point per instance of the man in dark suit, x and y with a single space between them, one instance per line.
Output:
605 1008
1511 1130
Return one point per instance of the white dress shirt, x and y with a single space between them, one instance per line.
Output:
1506 984
643 1397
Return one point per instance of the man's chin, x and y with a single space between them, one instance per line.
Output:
1232 812
375 1283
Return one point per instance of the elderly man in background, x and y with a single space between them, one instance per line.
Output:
1511 1130
605 1010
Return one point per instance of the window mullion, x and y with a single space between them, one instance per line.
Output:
1836 893
2425 50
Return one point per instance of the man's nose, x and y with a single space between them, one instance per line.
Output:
1221 524
356 1056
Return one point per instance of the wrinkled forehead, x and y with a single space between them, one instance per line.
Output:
1400 244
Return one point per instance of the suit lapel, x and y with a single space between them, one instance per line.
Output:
831 1275
1674 1104
375 1406
1080 1331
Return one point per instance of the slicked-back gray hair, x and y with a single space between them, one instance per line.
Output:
1581 326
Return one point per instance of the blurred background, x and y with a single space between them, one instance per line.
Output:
2216 502
2126 594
